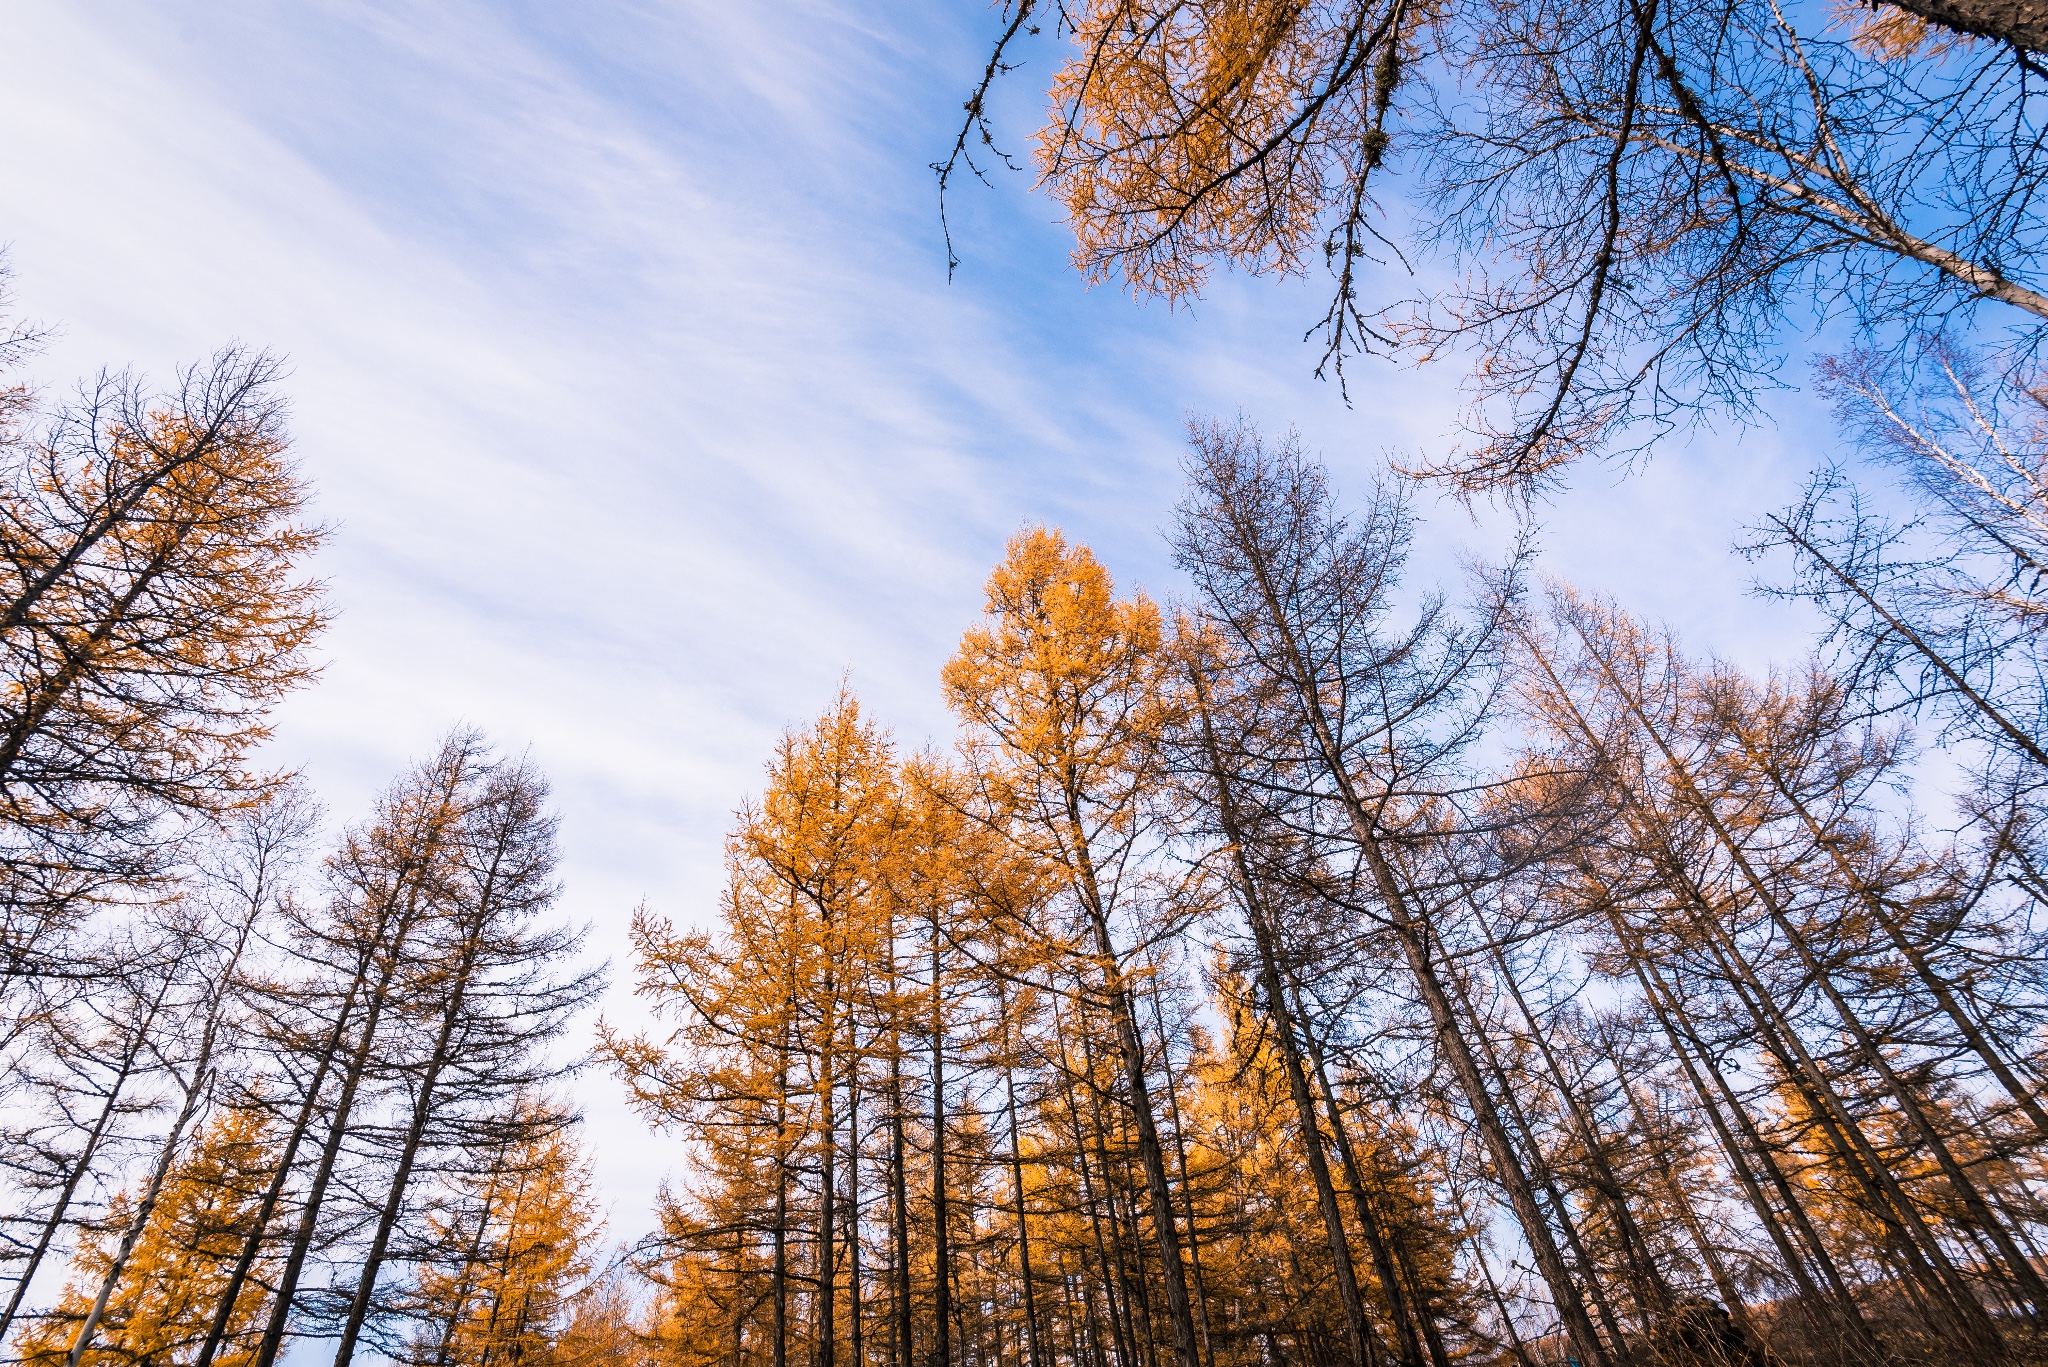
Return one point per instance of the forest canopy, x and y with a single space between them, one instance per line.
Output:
1297 964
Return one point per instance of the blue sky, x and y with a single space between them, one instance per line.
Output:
626 365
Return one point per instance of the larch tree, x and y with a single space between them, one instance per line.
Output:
1065 691
520 1234
1301 596
1631 199
163 1297
764 1053
153 609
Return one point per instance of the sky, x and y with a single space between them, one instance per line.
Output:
625 362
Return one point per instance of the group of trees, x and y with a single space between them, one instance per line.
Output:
1317 969
1325 970
1330 970
248 1100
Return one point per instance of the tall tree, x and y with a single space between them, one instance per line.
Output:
153 609
488 994
1300 595
1065 691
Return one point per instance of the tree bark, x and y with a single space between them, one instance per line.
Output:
2023 23
942 1256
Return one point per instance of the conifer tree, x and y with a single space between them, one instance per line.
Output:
1066 692
521 1230
163 1300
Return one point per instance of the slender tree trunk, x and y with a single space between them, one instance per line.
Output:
1356 1332
1681 1201
394 921
1410 931
1923 1252
1180 1150
779 1285
857 1341
1652 1292
81 655
1888 1202
1411 934
1032 1354
422 1114
259 1224
1127 1241
899 1200
124 499
1684 1046
1937 987
470 1259
1617 1344
200 1085
1124 1339
942 1253
2004 725
828 1214
1500 1305
1406 1301
1125 1020
1671 1014
2024 1275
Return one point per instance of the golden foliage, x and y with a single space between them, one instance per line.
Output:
167 1296
526 1224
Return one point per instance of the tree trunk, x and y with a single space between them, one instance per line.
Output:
828 1192
857 1340
942 1256
1674 1190
422 1113
316 1194
470 1260
259 1224
1180 1150
1888 1202
1407 1306
146 1207
200 1085
1411 934
1123 1338
2021 1094
2023 23
1651 1291
1151 1156
1033 1356
1500 1304
1355 1330
779 1283
2024 1276
1617 1344
899 1198
1457 1051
